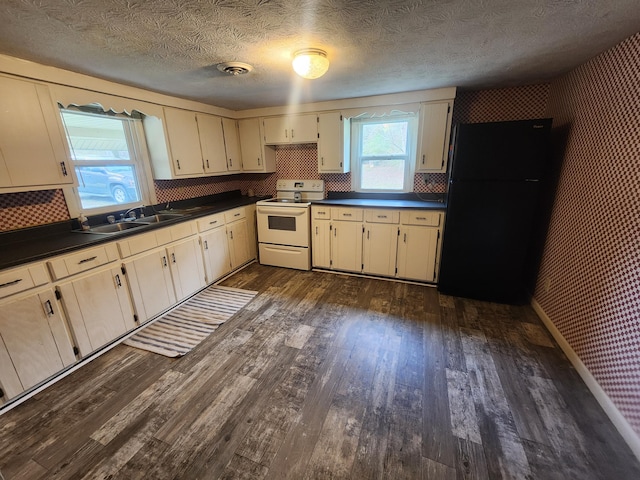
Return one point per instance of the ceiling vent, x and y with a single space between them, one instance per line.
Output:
234 68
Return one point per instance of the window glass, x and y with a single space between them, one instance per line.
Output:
383 154
105 162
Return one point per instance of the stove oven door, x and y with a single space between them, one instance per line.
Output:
280 225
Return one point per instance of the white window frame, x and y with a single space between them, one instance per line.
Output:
134 133
409 157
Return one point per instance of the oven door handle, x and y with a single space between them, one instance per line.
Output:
284 211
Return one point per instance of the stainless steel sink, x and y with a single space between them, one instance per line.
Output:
112 228
157 218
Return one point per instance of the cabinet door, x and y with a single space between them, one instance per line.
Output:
304 128
250 144
34 342
435 121
252 235
215 250
151 284
417 253
238 243
276 130
184 141
212 143
187 268
380 245
331 158
30 130
98 308
232 145
346 246
321 243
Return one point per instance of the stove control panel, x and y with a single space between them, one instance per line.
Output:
300 185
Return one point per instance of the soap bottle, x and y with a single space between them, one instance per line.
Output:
84 222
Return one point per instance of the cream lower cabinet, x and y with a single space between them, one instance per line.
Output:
321 231
419 245
98 307
34 342
187 270
402 244
238 236
150 283
380 241
215 251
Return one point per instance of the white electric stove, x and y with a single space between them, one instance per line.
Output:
284 224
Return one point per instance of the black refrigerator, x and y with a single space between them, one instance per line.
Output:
496 175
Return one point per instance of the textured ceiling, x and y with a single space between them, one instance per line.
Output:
375 47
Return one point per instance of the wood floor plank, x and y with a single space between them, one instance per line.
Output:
327 376
502 445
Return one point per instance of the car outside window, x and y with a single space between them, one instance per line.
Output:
104 157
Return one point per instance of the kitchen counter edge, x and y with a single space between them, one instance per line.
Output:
381 203
50 246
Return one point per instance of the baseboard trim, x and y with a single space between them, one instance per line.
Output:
618 420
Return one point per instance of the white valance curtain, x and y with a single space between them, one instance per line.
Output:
382 111
69 96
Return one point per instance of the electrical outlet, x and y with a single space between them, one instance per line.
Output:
546 286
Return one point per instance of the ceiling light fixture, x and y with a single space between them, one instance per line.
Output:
310 63
234 68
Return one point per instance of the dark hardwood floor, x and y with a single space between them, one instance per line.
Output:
327 376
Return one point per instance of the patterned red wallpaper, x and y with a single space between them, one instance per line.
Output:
26 209
592 253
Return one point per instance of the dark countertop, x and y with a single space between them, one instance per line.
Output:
38 243
382 203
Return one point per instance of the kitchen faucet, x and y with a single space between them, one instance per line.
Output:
131 214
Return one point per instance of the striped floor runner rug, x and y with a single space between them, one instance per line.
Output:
181 329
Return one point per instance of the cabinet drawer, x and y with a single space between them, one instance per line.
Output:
21 279
382 216
81 262
421 217
180 231
211 221
348 214
321 213
235 214
138 244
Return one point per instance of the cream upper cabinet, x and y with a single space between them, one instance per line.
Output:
255 156
435 129
232 145
290 129
212 143
184 141
331 155
34 342
33 150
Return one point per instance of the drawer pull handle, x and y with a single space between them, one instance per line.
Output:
85 260
213 223
164 261
49 308
236 214
118 282
13 282
63 167
346 214
382 216
421 218
206 245
173 257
